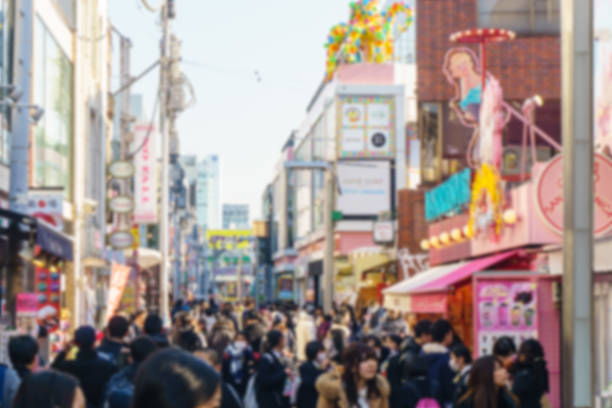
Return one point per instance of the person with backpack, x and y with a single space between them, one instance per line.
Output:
531 376
413 390
461 364
273 374
113 347
487 386
358 384
238 364
120 388
437 358
316 364
9 384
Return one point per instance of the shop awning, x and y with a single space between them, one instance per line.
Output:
409 285
368 262
464 272
343 268
53 241
147 257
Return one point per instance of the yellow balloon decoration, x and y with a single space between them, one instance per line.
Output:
487 201
368 35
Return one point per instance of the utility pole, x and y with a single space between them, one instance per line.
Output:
165 157
577 128
328 259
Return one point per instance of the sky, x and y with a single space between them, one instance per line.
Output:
242 119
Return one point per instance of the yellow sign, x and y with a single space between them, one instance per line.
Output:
229 239
486 208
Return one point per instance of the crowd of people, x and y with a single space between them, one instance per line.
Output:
273 356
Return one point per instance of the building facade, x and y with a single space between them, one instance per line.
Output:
208 207
236 216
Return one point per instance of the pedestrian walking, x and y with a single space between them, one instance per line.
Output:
238 364
273 375
9 384
316 364
22 352
461 364
487 386
50 389
437 358
229 395
92 371
113 347
505 351
154 329
358 384
120 388
530 383
173 378
414 385
305 332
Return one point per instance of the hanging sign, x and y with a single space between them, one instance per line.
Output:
121 169
549 194
383 232
145 177
122 204
46 206
121 239
118 280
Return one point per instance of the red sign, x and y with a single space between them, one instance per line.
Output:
118 280
27 304
550 194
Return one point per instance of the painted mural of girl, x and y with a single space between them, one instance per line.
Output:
460 69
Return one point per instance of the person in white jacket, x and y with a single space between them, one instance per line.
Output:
305 332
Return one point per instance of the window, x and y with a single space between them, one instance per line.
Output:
51 146
522 16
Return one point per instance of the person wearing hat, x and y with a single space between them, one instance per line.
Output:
92 371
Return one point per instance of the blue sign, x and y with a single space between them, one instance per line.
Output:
449 197
53 242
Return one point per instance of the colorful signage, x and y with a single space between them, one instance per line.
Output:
365 187
549 194
121 239
145 177
229 239
486 208
121 169
449 197
47 207
118 280
48 291
366 127
505 308
26 311
121 204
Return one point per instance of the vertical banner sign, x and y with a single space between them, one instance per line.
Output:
119 277
145 176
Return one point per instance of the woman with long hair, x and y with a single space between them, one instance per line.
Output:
487 386
531 376
173 378
356 384
49 389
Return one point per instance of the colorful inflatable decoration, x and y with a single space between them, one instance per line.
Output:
368 35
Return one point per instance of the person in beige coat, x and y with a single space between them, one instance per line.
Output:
356 384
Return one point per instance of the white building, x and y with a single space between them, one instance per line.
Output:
208 207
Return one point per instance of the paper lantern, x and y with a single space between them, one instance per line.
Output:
434 242
425 245
456 235
445 238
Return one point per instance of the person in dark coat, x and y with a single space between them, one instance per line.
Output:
310 371
22 351
229 396
92 371
272 373
487 386
437 357
238 364
120 389
113 347
530 375
414 385
461 363
154 329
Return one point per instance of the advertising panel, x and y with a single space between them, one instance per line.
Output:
118 280
366 127
365 187
145 177
47 206
505 308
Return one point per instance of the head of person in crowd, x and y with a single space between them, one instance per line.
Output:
531 356
360 367
375 344
315 352
393 342
335 344
210 356
275 341
505 350
49 389
172 378
189 341
22 352
460 358
240 342
411 320
141 348
442 332
154 328
85 338
138 318
117 328
488 377
422 332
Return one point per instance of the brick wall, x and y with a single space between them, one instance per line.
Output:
524 66
411 220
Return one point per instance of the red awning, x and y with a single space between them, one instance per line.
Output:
464 272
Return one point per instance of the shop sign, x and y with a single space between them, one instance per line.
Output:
365 187
121 204
505 308
366 127
26 309
383 232
121 169
46 206
549 190
449 197
121 239
145 177
118 280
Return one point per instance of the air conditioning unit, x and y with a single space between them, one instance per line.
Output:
512 158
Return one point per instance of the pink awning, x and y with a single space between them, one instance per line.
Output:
464 272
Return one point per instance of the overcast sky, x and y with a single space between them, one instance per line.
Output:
243 120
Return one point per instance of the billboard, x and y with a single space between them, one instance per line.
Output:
145 176
365 187
366 127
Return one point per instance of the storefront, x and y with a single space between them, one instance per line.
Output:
374 269
284 277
